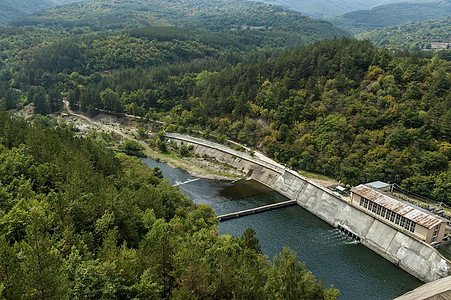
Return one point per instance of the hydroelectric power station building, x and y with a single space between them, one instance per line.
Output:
404 216
382 228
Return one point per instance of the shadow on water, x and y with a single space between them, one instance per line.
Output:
244 188
331 255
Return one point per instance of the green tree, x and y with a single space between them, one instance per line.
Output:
111 101
40 102
12 97
74 97
250 241
55 100
10 271
42 264
288 279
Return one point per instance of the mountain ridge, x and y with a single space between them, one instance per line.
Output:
413 36
12 9
321 9
215 15
392 14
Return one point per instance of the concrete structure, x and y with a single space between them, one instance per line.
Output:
379 185
399 247
406 217
435 45
254 166
404 250
255 210
436 290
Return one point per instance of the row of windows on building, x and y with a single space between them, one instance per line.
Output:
388 214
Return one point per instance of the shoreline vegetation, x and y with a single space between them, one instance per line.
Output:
79 220
202 167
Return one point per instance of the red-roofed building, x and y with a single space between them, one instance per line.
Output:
435 45
402 215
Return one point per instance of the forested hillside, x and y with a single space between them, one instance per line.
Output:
392 14
214 15
12 9
321 9
414 36
340 108
78 221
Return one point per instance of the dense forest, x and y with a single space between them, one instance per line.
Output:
214 15
12 9
413 36
341 108
79 221
392 14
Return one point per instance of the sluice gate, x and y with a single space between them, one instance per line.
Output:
348 233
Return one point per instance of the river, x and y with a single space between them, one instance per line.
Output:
356 271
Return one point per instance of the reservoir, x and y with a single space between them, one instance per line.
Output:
337 259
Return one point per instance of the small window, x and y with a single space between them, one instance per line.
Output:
403 221
408 222
392 217
374 207
361 201
412 226
387 216
370 206
398 218
366 203
383 212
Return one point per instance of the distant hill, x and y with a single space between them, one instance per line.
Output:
288 26
12 9
413 36
392 14
321 9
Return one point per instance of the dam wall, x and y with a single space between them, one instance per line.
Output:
261 170
396 245
399 247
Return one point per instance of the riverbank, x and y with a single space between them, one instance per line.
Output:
331 255
124 128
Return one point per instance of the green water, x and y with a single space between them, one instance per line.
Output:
337 259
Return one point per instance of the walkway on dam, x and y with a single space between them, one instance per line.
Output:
258 158
251 211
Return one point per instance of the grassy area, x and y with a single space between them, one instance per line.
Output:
315 176
445 254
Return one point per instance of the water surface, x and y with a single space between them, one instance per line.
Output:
337 259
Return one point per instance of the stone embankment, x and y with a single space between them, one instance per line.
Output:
412 255
256 166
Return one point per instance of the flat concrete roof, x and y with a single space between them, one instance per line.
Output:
377 184
439 289
405 209
340 188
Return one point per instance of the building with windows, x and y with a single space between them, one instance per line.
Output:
400 214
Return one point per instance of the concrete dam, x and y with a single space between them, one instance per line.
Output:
414 256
